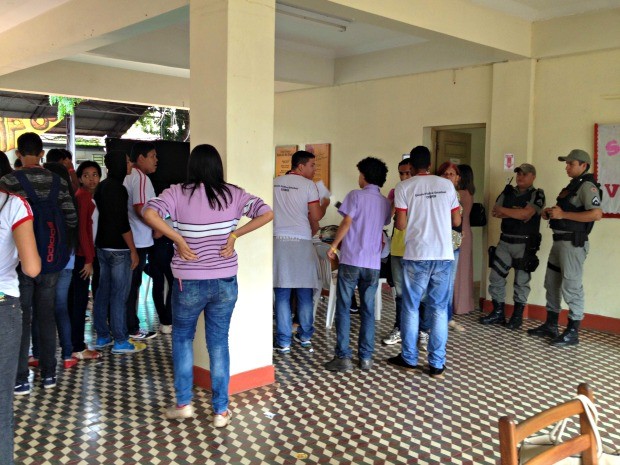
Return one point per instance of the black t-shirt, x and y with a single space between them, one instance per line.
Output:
111 198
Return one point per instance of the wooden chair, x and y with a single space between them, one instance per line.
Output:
511 434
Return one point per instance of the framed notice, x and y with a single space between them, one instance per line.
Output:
283 158
607 166
322 153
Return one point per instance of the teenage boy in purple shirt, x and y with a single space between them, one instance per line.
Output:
360 236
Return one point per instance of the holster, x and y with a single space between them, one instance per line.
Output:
530 261
491 255
579 239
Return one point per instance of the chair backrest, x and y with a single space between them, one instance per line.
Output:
325 265
511 434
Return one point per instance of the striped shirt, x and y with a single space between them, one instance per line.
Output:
205 229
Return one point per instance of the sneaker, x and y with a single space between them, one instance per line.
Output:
69 362
399 361
143 335
127 347
220 420
103 342
423 338
436 372
22 389
452 324
339 364
33 362
178 413
49 383
282 349
393 337
165 329
304 344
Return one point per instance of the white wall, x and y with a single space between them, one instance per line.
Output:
539 110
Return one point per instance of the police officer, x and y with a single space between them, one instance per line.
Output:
520 209
572 218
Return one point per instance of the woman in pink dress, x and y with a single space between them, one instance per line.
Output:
464 282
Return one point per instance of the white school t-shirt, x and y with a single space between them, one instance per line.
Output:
15 210
292 194
140 190
428 201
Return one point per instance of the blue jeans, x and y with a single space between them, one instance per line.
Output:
432 277
366 280
216 298
10 336
61 314
114 281
397 277
133 322
305 315
425 324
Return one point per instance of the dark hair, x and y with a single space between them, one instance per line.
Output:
406 161
87 164
116 163
29 144
374 170
300 157
57 155
420 157
140 148
61 170
466 182
445 166
17 163
205 167
5 165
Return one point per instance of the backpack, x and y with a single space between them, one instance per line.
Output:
50 230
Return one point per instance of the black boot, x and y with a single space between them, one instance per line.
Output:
570 336
516 320
548 329
496 316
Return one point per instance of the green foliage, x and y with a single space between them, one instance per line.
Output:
166 123
66 105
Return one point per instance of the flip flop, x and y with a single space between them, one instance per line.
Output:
87 354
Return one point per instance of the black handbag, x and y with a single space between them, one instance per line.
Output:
478 215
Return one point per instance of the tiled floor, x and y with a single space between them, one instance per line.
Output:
110 411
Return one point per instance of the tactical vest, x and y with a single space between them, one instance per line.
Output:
514 199
563 201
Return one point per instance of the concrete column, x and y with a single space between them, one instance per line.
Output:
231 108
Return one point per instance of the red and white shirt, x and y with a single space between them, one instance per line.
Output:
15 210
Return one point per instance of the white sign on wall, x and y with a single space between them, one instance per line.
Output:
607 167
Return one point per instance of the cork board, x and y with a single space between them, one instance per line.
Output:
283 158
322 152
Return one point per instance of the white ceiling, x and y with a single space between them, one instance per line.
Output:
165 50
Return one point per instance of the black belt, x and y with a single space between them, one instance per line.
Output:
513 240
565 236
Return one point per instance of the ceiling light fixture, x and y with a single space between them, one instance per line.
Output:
308 15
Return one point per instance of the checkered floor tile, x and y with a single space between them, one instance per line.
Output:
109 411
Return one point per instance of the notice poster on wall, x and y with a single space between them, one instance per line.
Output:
322 153
283 158
607 166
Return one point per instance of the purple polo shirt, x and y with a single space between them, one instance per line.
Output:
370 211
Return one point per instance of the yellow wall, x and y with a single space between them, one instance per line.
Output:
557 102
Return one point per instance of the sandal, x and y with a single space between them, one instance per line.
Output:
87 354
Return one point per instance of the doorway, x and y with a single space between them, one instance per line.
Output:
465 144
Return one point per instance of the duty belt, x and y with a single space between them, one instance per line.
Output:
513 240
565 236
